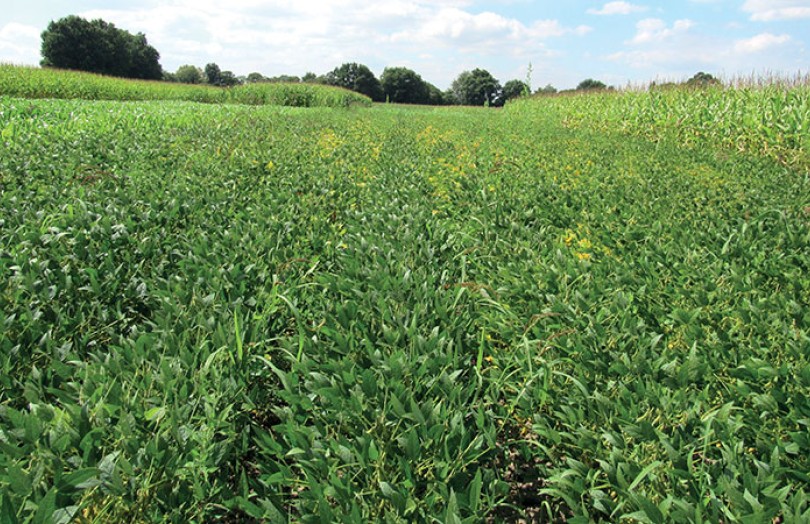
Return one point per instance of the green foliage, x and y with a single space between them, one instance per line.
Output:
771 120
514 89
547 90
99 47
47 83
216 77
591 85
702 79
357 78
404 86
189 74
476 88
219 313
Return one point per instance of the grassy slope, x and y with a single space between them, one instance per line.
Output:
402 312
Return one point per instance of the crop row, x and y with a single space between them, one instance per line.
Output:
771 120
31 82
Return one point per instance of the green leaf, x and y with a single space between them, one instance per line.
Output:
373 453
644 472
387 490
19 482
239 349
474 493
79 479
46 507
65 515
451 514
155 414
7 513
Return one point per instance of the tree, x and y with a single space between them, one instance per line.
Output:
548 90
403 86
228 79
284 79
514 89
189 74
591 85
435 95
255 78
702 79
476 88
358 78
213 74
309 78
99 47
144 59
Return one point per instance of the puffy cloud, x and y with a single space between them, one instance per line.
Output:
285 36
656 30
771 10
617 8
452 26
760 42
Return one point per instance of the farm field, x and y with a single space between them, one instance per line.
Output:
34 82
574 309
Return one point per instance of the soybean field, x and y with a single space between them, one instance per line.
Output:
574 309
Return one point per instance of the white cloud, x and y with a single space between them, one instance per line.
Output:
771 10
656 30
617 8
453 26
286 36
760 42
19 44
672 54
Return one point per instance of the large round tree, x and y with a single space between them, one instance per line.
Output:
99 47
514 89
404 86
476 88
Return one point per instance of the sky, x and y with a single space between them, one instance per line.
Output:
559 42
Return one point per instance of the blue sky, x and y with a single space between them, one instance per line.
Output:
618 42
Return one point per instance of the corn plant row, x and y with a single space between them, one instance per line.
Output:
771 120
31 82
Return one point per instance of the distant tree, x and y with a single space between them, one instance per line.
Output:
99 47
358 78
702 79
591 85
514 89
548 90
228 79
213 74
255 78
476 87
663 86
435 95
286 79
450 97
403 86
189 74
309 78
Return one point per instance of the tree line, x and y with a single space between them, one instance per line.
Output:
100 47
396 84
